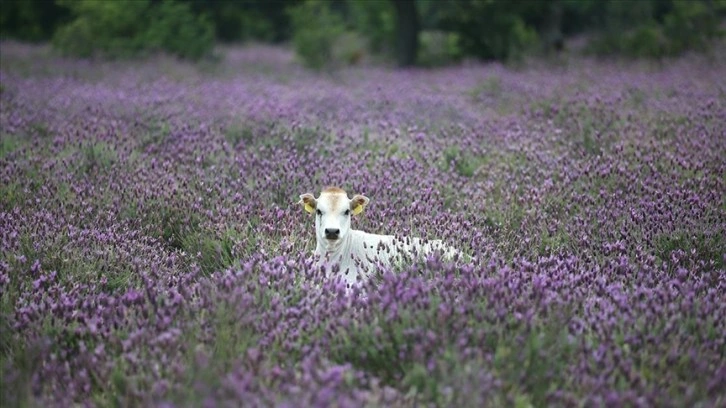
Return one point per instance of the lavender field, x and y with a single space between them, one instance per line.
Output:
152 252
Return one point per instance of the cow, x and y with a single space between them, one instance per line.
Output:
355 254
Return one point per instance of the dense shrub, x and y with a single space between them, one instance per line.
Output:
315 30
646 31
173 28
491 29
130 27
438 48
110 28
375 21
30 20
238 21
692 25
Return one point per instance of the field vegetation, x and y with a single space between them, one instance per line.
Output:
151 251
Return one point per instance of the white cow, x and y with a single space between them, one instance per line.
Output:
358 254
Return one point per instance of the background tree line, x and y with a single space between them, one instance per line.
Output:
327 33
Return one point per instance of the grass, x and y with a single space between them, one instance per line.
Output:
213 253
168 222
375 143
385 348
10 144
16 390
708 247
154 135
253 136
236 134
70 264
490 87
12 195
98 157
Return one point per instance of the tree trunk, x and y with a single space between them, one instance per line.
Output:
553 37
407 28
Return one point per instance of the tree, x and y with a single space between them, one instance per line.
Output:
407 29
30 20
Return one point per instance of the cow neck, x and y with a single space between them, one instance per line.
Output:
335 249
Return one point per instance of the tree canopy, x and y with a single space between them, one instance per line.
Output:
408 32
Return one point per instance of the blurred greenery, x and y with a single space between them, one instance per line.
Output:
375 21
247 20
658 28
124 28
491 29
31 20
315 29
326 33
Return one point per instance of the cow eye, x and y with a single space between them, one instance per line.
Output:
320 213
347 212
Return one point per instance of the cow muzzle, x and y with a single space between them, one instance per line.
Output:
332 233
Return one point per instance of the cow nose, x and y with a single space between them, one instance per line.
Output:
332 233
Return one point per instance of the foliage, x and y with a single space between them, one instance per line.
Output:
112 28
173 28
491 29
316 28
129 27
247 20
656 29
30 20
692 26
438 48
486 29
375 21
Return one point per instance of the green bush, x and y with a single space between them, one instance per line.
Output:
492 29
127 28
647 41
349 48
650 32
254 26
316 29
30 20
102 27
518 39
438 48
176 30
375 20
691 26
238 21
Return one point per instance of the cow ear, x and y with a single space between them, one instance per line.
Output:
308 202
358 203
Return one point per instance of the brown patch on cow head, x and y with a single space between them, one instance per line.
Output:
336 197
333 190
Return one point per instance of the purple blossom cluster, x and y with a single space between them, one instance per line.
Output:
152 254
